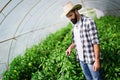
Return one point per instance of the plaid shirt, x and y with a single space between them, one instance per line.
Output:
89 37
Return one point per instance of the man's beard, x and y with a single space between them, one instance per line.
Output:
74 21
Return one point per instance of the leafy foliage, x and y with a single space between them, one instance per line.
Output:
109 34
47 60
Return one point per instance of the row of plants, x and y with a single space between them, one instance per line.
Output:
48 61
109 35
47 58
58 66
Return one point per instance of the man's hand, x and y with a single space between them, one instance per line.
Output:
68 51
96 65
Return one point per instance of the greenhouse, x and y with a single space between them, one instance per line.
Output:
34 35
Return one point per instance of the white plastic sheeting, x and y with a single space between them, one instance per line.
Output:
26 22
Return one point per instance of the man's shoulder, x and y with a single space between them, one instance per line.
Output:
86 19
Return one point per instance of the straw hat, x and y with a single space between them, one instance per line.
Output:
69 7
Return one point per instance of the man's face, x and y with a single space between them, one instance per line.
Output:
72 16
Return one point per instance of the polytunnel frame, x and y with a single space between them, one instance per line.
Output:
14 37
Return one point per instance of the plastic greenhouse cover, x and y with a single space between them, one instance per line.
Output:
26 22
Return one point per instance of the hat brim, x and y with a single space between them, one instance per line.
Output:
78 7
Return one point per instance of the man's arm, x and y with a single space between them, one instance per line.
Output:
96 65
97 52
68 51
95 42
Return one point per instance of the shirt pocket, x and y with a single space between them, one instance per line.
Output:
85 28
86 33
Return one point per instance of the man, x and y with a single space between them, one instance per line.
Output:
85 40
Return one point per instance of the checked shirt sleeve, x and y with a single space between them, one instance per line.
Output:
93 32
